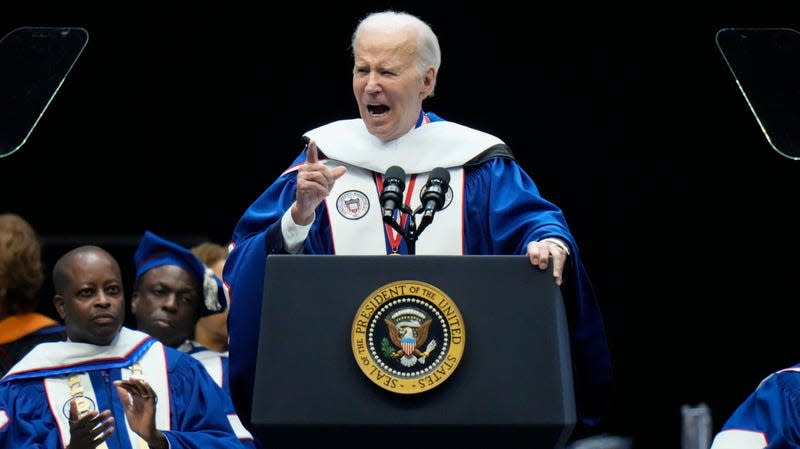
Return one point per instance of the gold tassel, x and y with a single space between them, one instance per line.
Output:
76 391
136 374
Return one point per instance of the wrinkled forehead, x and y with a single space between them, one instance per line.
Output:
379 45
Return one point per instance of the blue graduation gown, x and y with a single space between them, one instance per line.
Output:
216 363
768 418
502 212
200 414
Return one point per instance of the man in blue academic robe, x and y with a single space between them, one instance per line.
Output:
108 386
331 201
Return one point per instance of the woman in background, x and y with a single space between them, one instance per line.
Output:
21 279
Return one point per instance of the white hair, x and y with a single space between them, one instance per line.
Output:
428 52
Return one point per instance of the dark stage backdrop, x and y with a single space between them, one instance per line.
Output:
178 115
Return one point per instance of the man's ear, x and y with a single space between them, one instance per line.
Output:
58 302
428 81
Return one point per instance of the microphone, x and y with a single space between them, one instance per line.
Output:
394 182
433 195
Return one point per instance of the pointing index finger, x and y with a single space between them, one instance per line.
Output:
311 154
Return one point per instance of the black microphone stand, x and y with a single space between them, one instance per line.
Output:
433 199
410 235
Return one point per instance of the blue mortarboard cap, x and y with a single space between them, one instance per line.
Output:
155 251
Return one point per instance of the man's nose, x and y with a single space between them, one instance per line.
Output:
103 300
373 82
170 302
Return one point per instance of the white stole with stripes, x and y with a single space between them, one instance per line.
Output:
53 356
365 235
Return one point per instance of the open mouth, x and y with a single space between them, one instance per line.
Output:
378 109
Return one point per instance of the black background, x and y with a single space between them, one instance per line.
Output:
178 115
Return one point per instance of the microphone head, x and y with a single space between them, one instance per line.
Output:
395 175
394 182
440 174
433 195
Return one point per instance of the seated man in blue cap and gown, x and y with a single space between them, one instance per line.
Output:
173 289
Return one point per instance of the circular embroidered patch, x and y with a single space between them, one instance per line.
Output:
352 204
85 405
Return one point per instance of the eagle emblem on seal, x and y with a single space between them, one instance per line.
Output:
408 331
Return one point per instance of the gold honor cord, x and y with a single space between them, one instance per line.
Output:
136 374
76 390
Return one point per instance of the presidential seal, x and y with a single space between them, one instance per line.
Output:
408 337
352 204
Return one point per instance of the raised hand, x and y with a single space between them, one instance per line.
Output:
314 183
139 400
89 430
